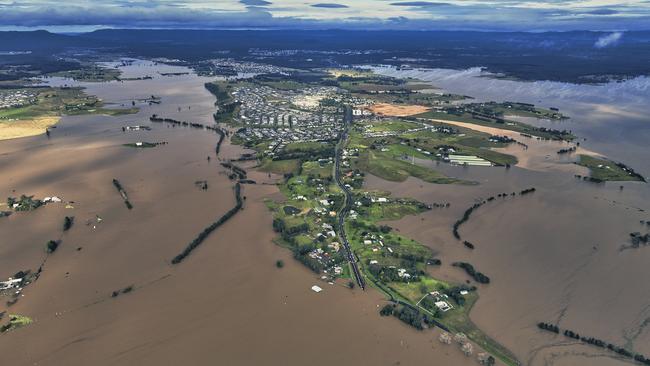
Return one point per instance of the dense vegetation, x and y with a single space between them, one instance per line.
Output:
52 246
24 203
476 275
67 222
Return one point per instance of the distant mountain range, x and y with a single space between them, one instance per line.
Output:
562 56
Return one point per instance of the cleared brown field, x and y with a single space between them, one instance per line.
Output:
393 110
24 128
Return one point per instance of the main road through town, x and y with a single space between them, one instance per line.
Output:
348 201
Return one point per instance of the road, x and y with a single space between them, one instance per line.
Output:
347 203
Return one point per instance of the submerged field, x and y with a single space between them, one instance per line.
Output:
48 107
542 257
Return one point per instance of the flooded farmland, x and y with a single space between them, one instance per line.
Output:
227 303
560 254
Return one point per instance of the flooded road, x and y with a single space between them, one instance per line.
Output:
227 303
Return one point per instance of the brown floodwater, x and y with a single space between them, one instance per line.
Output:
227 303
554 256
559 254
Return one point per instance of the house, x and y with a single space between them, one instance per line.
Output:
316 289
443 306
10 283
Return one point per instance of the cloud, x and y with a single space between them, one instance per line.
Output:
330 6
255 2
422 4
602 11
608 40
492 15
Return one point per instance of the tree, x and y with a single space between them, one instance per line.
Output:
52 246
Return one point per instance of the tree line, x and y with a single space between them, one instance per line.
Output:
208 230
469 211
476 275
237 172
222 134
122 192
595 342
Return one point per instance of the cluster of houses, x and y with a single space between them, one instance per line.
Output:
11 283
268 107
17 98
280 137
236 69
284 117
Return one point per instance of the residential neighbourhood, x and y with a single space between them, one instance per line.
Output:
17 98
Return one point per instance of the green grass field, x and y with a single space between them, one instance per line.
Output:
91 73
15 321
391 211
392 126
317 169
385 166
280 166
61 101
605 170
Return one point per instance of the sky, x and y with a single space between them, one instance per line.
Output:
499 15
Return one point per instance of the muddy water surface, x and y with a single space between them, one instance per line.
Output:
557 255
225 304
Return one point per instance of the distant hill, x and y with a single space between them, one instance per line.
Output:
561 56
